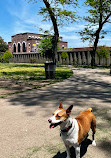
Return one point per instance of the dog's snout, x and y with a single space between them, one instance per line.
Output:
49 120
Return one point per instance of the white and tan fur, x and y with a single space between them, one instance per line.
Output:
73 131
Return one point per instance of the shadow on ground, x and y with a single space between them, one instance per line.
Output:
106 146
75 89
84 147
81 90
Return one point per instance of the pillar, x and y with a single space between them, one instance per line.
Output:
83 58
79 59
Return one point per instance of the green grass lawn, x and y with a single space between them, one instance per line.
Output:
19 77
31 71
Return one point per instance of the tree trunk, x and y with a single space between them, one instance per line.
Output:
51 73
95 45
56 32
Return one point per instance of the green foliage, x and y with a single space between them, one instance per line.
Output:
33 60
3 45
99 14
64 55
103 52
6 57
46 46
60 9
53 12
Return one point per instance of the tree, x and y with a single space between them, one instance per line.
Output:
64 56
103 52
46 46
99 14
57 11
6 57
3 45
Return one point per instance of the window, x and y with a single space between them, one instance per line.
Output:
18 47
23 47
14 48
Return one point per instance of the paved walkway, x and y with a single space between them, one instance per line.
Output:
24 129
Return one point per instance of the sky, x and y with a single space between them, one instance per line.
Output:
19 16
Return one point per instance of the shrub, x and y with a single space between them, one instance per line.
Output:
64 55
103 52
33 60
46 46
6 57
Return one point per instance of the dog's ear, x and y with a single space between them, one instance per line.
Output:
68 111
60 106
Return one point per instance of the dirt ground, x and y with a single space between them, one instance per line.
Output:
12 86
24 129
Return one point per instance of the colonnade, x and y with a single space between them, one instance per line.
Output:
74 58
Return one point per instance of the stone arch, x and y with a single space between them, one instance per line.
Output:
18 47
14 48
23 47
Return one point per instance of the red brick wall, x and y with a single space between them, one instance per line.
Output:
29 39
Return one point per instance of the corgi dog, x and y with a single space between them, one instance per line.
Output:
73 131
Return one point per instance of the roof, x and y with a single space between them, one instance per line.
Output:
28 33
31 33
81 49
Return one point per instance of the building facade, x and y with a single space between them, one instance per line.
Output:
28 42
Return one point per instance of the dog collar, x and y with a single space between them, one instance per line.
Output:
67 129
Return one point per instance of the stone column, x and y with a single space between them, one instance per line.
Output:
104 61
89 57
108 60
67 60
101 61
79 59
71 58
83 58
74 59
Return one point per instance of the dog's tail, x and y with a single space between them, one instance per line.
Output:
90 109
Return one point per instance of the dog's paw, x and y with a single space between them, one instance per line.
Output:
93 143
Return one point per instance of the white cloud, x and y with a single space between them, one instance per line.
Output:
25 19
70 37
72 28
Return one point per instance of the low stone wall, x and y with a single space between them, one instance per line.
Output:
28 58
74 58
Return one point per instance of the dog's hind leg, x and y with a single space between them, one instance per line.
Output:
93 127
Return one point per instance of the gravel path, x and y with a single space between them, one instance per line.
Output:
24 129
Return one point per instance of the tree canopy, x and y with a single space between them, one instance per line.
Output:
99 14
57 11
46 46
3 45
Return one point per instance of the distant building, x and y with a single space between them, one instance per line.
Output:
28 42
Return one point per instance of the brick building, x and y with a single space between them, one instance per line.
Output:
28 42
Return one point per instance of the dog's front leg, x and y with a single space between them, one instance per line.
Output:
68 151
77 150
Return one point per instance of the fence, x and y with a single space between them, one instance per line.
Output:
74 58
